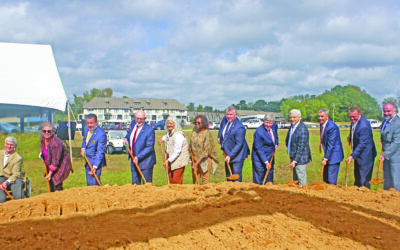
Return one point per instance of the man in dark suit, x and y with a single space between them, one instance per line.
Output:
390 137
141 138
363 146
333 149
265 144
298 147
94 146
231 136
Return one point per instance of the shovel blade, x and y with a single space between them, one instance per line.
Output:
376 181
292 182
233 177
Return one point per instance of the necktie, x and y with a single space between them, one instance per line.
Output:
226 129
321 134
385 125
272 136
290 138
88 136
133 141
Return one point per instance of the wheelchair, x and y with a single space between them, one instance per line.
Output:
27 187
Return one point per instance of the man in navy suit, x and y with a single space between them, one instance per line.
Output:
264 146
298 148
94 146
363 146
141 138
333 149
231 136
390 137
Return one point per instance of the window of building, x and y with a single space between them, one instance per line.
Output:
154 117
119 117
100 117
107 102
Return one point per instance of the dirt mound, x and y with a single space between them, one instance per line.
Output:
225 215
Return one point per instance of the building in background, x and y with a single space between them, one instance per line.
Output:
124 109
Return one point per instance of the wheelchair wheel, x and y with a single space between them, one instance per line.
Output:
28 190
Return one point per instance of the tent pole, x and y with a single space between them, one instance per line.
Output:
69 131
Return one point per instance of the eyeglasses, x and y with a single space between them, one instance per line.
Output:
197 123
47 131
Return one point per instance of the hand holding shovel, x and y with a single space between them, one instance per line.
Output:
232 176
137 167
5 191
91 169
268 168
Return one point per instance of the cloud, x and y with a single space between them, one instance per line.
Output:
214 52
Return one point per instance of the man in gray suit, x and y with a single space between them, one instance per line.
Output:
390 137
298 147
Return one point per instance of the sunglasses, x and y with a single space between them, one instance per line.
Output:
197 123
47 131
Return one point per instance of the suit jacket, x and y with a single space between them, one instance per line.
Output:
96 147
364 150
390 139
333 149
12 170
58 158
144 145
299 145
263 146
234 143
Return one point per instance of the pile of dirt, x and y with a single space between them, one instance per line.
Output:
224 215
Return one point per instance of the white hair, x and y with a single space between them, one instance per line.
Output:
11 139
295 112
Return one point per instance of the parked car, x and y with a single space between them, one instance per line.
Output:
283 124
8 128
115 141
252 123
375 124
160 125
212 125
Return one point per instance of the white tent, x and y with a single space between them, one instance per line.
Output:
29 80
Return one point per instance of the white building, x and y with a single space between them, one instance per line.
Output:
124 109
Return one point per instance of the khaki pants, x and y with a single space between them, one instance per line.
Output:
205 177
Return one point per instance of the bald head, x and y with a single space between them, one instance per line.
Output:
140 117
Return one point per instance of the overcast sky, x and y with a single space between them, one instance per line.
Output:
214 52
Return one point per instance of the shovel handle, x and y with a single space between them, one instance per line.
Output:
137 167
270 162
227 162
91 169
347 164
163 156
5 191
194 169
47 181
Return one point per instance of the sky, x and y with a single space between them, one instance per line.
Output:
214 53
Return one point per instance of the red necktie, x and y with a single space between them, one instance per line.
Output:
270 134
133 141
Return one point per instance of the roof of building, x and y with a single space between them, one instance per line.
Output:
134 103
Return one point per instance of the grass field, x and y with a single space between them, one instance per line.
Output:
118 167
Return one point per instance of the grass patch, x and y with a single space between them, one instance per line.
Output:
118 166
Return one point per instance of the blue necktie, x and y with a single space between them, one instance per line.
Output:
290 138
385 125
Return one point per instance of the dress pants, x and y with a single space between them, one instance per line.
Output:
300 174
17 188
363 174
331 172
137 178
90 179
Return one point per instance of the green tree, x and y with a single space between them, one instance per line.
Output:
200 108
312 106
190 107
289 104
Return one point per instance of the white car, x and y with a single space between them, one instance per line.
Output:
115 141
375 124
252 123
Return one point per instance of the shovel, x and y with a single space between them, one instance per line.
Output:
5 191
270 162
378 180
91 169
47 181
163 156
292 181
232 177
137 167
194 169
347 165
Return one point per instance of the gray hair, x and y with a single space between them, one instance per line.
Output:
47 124
177 125
269 117
11 139
324 111
295 112
230 109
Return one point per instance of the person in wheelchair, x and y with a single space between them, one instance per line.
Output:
10 171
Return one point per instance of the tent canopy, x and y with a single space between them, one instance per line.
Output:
29 80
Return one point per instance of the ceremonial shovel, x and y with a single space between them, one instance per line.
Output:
270 162
137 167
5 191
232 176
91 169
194 169
377 180
163 156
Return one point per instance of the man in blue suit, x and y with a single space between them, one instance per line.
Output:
333 149
264 146
298 148
231 136
141 138
94 146
390 137
363 146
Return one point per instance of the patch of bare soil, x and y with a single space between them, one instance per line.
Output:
225 215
